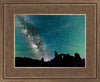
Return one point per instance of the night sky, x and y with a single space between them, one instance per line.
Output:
38 36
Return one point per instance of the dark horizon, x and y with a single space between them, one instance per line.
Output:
60 60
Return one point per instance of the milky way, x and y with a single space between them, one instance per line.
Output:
32 37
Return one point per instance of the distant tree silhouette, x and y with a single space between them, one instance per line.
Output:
60 60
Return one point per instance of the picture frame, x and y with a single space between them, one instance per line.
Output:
89 73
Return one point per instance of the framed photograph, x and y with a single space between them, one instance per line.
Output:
44 41
39 38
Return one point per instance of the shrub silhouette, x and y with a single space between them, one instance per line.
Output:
60 60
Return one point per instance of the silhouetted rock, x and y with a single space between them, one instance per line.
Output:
77 56
60 60
56 54
42 59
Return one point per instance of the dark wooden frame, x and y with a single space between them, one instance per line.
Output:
89 74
